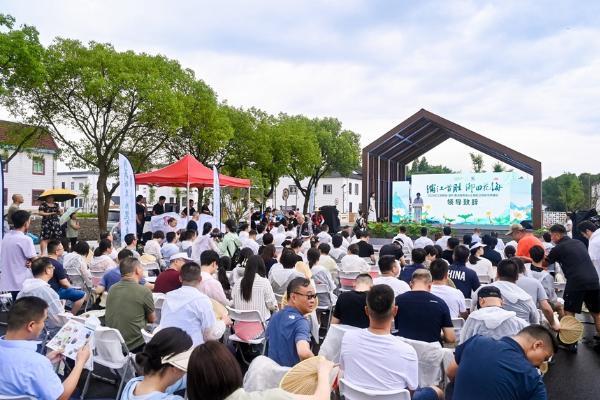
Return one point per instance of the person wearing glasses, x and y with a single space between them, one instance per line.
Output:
288 332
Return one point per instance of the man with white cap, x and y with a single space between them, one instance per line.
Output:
169 279
490 319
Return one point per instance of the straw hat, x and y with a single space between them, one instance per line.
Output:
147 259
303 377
571 330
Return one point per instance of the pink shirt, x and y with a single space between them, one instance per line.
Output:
15 250
213 289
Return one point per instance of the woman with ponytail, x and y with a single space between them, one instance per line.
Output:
163 364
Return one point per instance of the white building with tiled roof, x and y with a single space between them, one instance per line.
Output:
32 170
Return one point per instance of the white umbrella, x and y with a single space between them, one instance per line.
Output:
67 214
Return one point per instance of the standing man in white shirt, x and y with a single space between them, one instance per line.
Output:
417 206
374 359
454 298
390 270
17 252
592 234
423 240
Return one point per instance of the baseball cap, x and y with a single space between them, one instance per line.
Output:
515 228
179 361
489 291
181 255
476 245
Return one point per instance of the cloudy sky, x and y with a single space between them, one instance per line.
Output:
526 74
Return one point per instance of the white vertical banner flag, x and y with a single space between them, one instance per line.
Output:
216 198
2 199
311 200
127 198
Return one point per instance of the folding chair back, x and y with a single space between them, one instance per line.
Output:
468 304
252 316
147 335
347 280
458 324
484 278
110 348
354 392
159 300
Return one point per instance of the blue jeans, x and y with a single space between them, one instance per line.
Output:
425 393
71 294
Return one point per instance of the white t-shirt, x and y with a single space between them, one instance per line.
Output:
324 237
483 267
378 362
396 284
353 263
454 299
443 241
423 241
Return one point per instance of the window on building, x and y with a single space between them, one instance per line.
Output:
34 197
4 165
350 206
80 185
293 189
359 207
171 199
327 189
4 197
356 188
63 185
72 185
350 188
39 166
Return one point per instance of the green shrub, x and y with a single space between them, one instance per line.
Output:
389 230
82 215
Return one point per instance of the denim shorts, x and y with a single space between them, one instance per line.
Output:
70 294
425 393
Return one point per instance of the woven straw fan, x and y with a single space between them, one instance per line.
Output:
571 330
303 378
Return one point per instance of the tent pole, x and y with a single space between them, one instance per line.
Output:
249 213
188 200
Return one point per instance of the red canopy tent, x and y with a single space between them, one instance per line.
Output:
187 172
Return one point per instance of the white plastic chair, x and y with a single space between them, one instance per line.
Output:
159 300
323 290
147 335
78 282
458 324
468 304
347 280
354 392
111 352
484 279
247 316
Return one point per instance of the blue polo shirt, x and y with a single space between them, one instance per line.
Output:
286 328
407 271
495 370
465 279
25 372
112 276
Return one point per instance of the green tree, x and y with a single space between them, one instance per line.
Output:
588 182
498 167
477 161
20 66
422 166
326 148
563 193
98 102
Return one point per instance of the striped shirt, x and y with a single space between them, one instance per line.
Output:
262 299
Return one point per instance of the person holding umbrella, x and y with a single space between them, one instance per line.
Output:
50 212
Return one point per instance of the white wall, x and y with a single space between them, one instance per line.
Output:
340 196
20 178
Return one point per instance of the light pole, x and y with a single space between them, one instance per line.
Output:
344 198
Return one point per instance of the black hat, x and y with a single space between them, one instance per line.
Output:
489 291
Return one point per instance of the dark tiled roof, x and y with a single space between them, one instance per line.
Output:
44 141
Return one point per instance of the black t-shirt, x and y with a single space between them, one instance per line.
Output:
192 209
158 209
421 316
365 249
492 255
575 263
391 249
140 211
59 275
447 255
350 309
